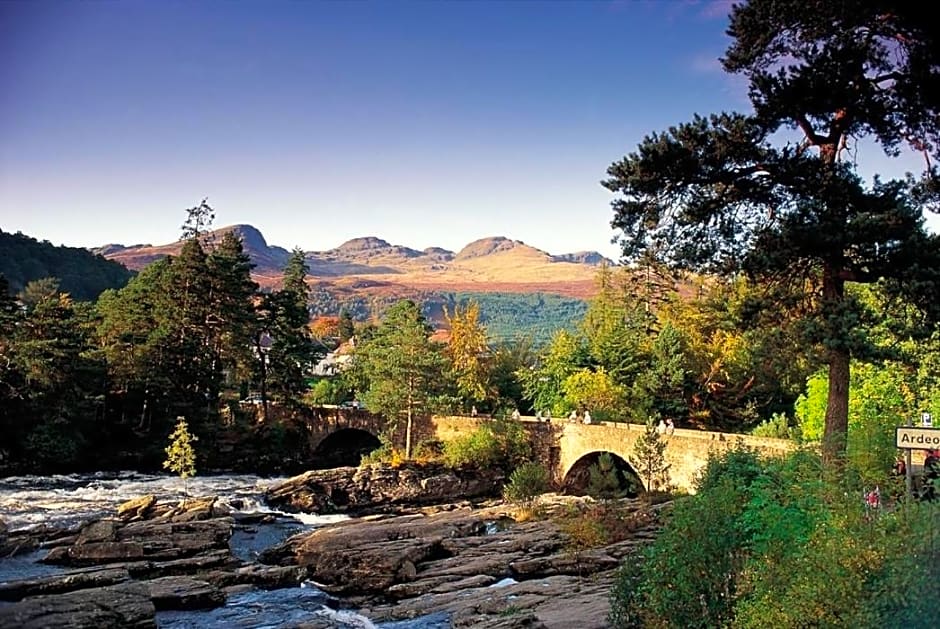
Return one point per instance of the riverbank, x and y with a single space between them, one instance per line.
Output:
451 565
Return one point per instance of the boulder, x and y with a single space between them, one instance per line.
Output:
61 583
110 541
137 508
378 488
182 592
121 606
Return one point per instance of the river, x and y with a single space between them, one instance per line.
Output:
65 500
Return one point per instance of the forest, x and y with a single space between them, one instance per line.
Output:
80 273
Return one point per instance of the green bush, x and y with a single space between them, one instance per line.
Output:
526 483
777 427
500 443
480 448
775 542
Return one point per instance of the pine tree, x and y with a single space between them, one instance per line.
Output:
729 193
649 458
400 366
180 453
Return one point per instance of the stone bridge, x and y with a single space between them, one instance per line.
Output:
569 449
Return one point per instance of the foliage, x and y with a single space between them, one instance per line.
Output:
283 340
604 482
882 399
81 274
777 427
399 367
596 392
467 350
648 458
326 391
729 193
543 384
774 542
526 483
180 453
500 443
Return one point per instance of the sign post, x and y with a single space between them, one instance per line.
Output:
908 472
915 438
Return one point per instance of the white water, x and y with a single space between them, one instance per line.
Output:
65 500
62 500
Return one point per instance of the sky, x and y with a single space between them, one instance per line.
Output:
423 123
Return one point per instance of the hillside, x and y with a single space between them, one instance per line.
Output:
520 289
375 266
81 273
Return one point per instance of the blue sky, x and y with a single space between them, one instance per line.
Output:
424 123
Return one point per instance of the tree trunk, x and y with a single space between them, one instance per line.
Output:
837 404
408 428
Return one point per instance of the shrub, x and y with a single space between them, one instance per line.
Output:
480 448
526 483
605 482
503 443
777 427
776 542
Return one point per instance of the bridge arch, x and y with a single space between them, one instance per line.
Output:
344 447
577 478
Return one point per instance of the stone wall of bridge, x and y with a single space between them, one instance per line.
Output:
560 444
686 450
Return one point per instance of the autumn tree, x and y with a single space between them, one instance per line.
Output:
468 351
742 193
400 367
180 452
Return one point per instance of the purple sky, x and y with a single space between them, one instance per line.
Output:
424 123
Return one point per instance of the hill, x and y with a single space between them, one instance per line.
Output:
521 289
495 264
81 273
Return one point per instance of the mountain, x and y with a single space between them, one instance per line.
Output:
495 264
267 259
520 289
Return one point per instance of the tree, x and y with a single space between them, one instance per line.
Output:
198 220
543 383
232 313
284 346
467 350
180 454
730 193
400 366
649 458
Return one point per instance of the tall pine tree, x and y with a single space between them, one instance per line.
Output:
730 193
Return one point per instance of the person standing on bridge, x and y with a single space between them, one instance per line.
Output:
587 416
670 427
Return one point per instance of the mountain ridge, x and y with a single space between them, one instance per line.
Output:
370 255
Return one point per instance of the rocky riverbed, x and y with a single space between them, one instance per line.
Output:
472 564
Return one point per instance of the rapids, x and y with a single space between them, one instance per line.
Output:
67 500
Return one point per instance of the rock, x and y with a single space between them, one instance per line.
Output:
137 508
122 606
107 541
60 583
184 593
381 488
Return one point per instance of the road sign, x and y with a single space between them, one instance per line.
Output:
917 438
926 420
